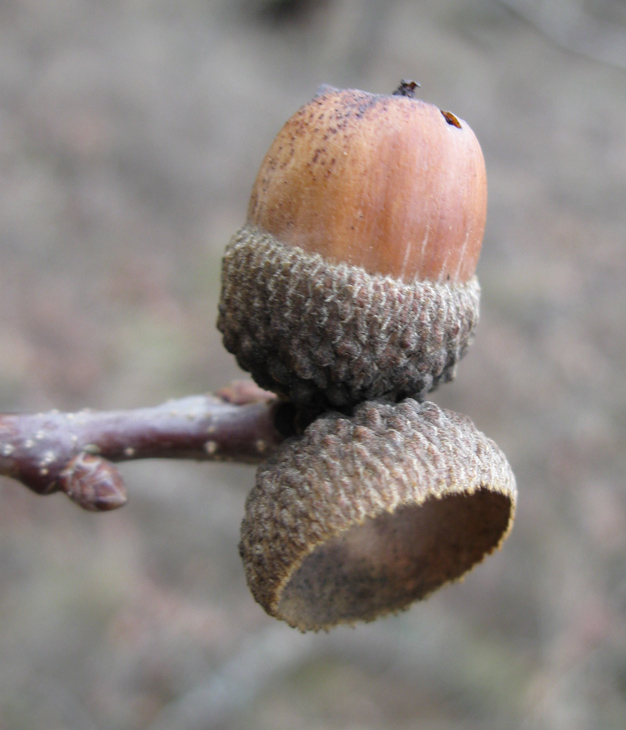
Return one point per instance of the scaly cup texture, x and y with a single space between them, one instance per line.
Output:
333 335
363 515
353 277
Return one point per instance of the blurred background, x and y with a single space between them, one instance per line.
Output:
130 135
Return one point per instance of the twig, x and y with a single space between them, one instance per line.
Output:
74 452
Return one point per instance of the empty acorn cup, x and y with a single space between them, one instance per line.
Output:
362 515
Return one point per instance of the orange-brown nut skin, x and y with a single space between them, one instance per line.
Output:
388 183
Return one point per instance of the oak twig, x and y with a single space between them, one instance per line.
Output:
75 452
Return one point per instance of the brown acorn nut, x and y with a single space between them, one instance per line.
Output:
352 278
362 515
387 183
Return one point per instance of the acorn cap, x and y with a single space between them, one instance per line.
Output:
361 516
323 334
352 278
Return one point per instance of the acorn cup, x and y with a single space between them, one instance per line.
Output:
363 515
353 276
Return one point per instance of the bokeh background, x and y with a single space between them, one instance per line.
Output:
130 135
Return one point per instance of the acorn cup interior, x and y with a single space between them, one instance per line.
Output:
394 559
362 516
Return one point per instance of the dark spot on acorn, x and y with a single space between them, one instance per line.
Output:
451 119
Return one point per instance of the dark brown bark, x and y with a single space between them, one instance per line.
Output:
74 452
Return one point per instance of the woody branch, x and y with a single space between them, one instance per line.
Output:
75 452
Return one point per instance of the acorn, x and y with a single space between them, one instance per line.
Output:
361 515
353 276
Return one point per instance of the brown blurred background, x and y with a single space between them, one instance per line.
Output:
130 135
